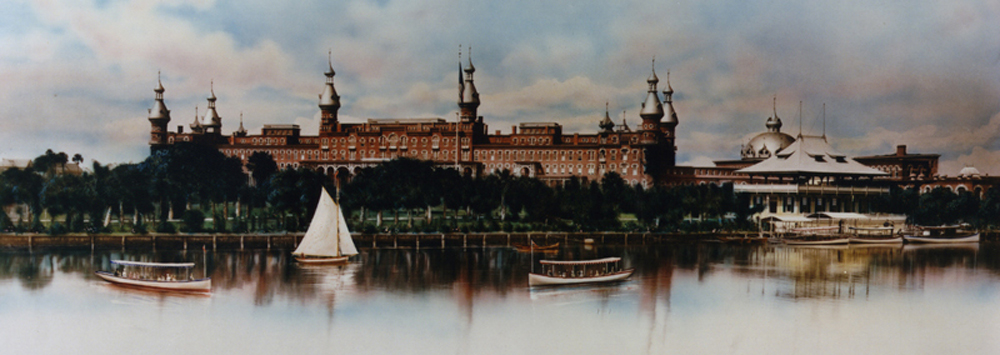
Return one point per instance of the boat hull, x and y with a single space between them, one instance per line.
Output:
537 248
545 280
200 285
742 240
863 240
831 241
322 260
974 238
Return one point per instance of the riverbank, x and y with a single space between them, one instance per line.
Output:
230 241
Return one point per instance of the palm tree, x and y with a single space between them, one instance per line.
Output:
22 186
64 195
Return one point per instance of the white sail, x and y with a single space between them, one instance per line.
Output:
321 237
346 243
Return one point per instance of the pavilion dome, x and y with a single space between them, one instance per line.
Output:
969 172
766 144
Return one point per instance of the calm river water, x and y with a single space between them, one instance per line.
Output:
685 299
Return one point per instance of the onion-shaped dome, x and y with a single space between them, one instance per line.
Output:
668 99
651 108
329 100
606 124
469 93
212 118
159 110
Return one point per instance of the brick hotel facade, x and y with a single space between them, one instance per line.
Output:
645 155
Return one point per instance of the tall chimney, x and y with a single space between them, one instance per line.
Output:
901 150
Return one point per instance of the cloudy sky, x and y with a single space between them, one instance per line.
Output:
77 75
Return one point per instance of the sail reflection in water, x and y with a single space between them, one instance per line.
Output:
684 298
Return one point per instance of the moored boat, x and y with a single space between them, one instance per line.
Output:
579 272
874 235
828 235
746 239
942 234
538 248
162 276
328 240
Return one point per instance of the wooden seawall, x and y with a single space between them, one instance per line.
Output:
291 240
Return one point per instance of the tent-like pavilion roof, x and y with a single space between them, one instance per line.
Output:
810 155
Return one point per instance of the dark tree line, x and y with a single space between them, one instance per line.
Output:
182 186
505 201
941 206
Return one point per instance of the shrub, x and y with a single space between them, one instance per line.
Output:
193 221
166 228
6 224
36 226
219 222
57 228
239 226
139 228
77 224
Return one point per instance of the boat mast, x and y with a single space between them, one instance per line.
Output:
337 217
824 121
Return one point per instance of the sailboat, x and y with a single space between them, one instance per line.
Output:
328 240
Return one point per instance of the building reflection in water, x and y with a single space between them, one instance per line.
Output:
476 274
849 271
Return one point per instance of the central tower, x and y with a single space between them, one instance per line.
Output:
468 97
329 103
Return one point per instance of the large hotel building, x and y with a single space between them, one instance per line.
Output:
644 155
787 174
